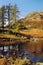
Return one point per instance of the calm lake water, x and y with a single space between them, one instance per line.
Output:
34 57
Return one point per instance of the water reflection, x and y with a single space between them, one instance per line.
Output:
6 48
1 48
34 57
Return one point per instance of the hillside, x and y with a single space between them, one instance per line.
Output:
34 19
32 24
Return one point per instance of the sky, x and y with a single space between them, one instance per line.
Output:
25 6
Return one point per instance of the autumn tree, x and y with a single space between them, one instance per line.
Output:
0 17
15 13
3 14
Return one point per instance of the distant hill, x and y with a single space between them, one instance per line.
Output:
34 19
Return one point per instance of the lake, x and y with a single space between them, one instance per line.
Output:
34 57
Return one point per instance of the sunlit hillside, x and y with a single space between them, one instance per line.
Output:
34 19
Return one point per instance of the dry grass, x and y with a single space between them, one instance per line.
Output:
3 61
33 32
10 36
